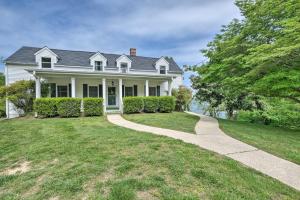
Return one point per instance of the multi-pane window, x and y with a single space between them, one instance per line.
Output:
93 91
152 91
162 69
46 62
128 91
98 65
62 91
124 67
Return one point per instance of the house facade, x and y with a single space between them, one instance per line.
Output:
92 74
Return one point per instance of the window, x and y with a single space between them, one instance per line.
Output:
98 65
46 62
93 91
62 91
152 91
124 67
162 70
128 91
52 90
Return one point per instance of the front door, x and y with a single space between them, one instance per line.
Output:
111 94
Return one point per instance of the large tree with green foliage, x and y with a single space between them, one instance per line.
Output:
259 55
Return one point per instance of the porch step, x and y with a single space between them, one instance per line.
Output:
113 112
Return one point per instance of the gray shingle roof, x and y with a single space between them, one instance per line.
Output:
81 58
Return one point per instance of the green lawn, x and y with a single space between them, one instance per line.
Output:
177 120
89 157
279 141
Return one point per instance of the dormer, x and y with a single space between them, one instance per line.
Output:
98 61
123 63
162 66
45 58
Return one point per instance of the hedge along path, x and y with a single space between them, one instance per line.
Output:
210 137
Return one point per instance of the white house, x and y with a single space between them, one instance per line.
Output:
92 74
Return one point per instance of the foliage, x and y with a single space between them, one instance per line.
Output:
21 94
93 106
166 104
2 79
150 104
257 56
45 107
183 97
68 107
133 104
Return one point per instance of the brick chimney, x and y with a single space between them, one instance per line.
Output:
132 51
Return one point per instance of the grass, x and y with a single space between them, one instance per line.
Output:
90 158
282 142
176 121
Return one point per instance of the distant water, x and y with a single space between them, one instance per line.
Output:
196 107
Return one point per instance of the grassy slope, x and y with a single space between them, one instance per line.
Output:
177 120
279 141
88 157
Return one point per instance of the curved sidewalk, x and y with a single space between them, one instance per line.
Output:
210 137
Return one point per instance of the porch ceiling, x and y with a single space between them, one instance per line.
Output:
62 73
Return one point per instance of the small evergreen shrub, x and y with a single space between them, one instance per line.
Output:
150 104
93 106
133 104
166 103
68 107
45 107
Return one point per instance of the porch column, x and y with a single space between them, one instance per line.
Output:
73 86
120 95
104 94
170 87
37 87
147 88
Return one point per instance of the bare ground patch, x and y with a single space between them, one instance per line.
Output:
19 168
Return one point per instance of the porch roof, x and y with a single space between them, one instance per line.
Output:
103 74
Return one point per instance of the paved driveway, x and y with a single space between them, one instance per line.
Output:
210 137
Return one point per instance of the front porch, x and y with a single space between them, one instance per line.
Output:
111 89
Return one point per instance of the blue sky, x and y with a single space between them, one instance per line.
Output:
156 28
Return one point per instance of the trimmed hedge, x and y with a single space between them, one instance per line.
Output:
133 104
45 107
166 104
93 106
150 104
68 107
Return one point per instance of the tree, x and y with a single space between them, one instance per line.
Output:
183 97
21 94
257 56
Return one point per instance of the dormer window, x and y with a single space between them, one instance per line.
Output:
162 70
46 62
98 65
124 67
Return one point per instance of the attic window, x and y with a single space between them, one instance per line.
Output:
98 65
46 62
162 69
124 67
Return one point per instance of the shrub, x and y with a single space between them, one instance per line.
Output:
183 97
45 107
166 104
68 107
133 104
93 106
150 104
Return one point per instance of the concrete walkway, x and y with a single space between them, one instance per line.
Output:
210 137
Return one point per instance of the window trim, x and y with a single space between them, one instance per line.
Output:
161 69
47 62
101 65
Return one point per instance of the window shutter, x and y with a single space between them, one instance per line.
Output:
52 89
85 90
135 90
70 90
100 91
158 90
123 91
